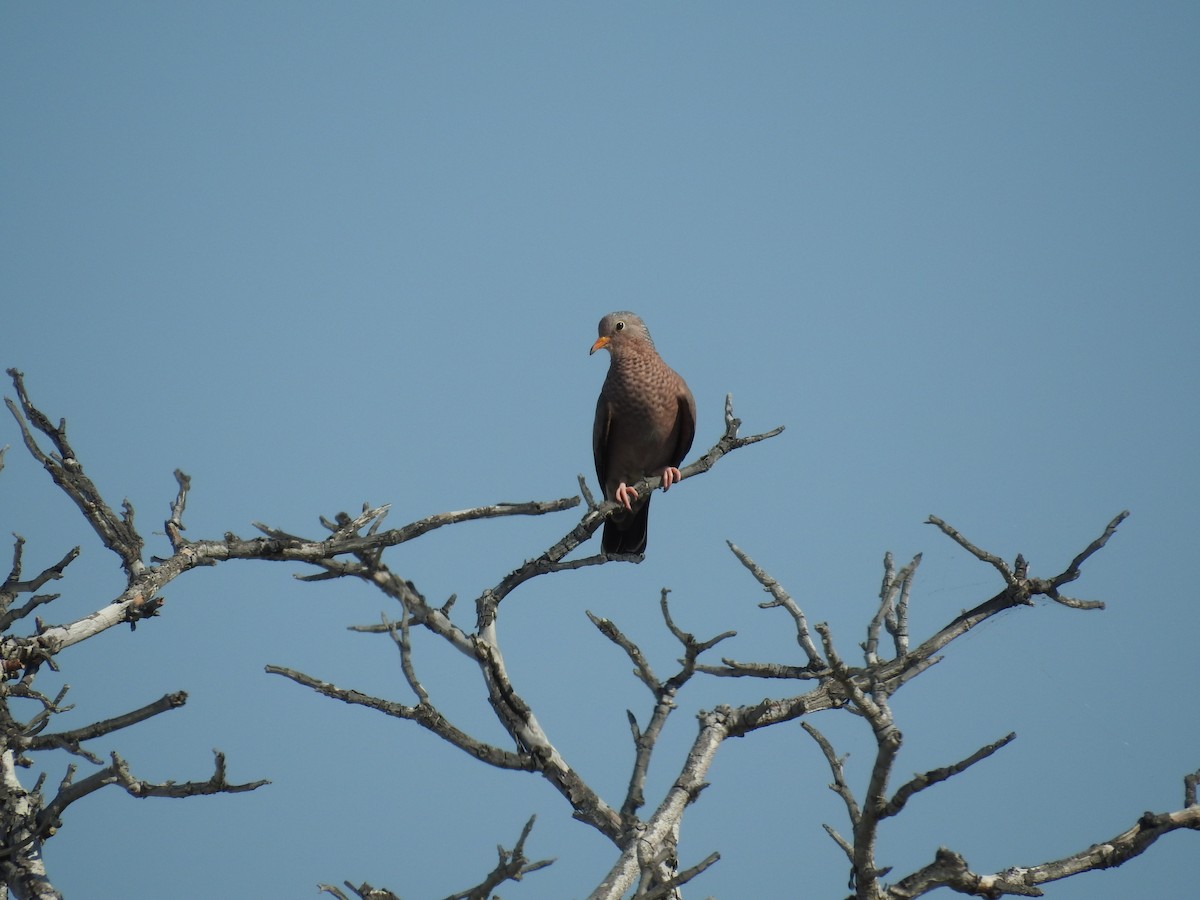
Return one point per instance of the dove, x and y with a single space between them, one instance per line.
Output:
645 423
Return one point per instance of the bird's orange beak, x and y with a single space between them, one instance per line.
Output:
601 342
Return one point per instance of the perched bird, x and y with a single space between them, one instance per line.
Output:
645 422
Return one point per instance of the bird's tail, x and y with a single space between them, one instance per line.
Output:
628 533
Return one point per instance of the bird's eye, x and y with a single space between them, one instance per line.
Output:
620 326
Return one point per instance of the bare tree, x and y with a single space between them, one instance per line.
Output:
645 837
27 817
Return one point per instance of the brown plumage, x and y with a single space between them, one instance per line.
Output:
645 423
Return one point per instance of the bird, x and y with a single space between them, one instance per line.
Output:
645 424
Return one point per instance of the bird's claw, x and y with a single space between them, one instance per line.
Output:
623 494
670 475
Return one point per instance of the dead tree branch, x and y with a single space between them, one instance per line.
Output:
949 869
514 865
936 776
866 690
117 532
783 599
71 740
13 586
354 547
664 693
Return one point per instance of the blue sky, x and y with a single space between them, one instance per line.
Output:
322 254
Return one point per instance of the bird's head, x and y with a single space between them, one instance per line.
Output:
619 329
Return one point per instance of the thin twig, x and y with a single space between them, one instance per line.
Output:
839 785
935 776
513 866
994 561
782 598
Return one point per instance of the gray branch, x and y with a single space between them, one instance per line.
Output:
71 740
118 773
13 586
949 869
423 714
936 776
116 532
354 547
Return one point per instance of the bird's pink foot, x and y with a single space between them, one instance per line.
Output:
670 475
623 495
